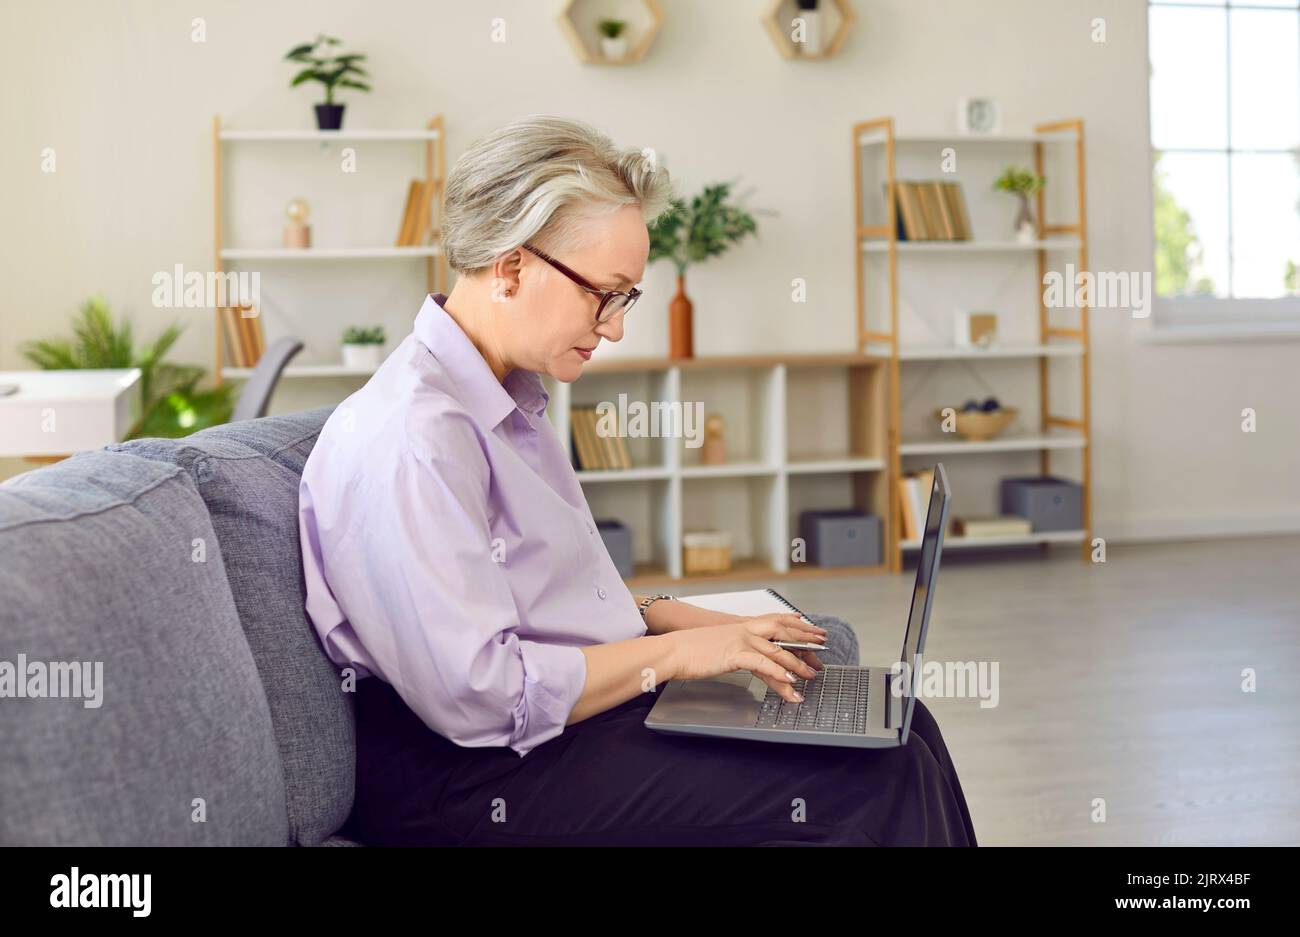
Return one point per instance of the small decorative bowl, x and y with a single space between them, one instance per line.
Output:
979 425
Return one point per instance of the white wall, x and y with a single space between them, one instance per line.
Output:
126 99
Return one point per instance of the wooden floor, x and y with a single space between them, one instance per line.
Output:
1120 681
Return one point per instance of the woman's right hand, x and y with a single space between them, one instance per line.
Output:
713 650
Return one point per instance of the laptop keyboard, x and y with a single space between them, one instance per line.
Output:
834 701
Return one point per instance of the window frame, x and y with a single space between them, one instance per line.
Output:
1208 317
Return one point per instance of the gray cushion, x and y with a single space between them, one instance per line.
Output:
841 641
248 474
100 561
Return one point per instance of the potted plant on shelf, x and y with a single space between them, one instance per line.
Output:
1022 183
362 346
332 71
172 404
687 235
613 44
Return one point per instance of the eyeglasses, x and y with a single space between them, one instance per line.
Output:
611 301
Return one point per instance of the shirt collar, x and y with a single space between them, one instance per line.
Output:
488 400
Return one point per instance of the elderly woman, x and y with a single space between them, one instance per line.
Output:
453 564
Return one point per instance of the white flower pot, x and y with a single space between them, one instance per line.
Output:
812 34
613 48
362 357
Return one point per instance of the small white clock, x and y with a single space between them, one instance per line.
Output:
978 116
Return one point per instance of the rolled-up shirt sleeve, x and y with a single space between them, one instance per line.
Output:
420 585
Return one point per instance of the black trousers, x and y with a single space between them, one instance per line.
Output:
609 780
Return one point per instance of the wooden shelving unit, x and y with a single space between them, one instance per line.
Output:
435 171
780 462
1066 344
644 29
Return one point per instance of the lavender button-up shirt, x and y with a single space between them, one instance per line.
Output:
447 546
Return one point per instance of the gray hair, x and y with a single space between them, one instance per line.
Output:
541 179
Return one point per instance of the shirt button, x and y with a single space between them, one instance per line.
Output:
600 592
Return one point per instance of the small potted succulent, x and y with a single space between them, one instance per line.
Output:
363 347
332 71
613 42
1022 183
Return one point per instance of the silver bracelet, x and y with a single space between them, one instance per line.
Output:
650 600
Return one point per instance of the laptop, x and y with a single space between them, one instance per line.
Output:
854 707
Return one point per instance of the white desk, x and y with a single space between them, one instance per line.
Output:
57 413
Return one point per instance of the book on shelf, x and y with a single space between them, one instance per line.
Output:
584 435
417 215
230 326
914 501
925 194
597 451
408 214
1001 525
956 201
618 445
245 341
939 197
931 211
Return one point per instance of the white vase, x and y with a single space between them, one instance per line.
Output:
362 357
1027 233
812 32
613 48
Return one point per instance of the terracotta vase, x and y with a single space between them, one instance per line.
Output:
680 328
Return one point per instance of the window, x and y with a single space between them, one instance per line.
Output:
1225 134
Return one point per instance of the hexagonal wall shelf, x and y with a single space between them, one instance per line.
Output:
579 20
779 20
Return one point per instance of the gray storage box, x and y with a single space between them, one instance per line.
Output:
844 537
618 542
1048 502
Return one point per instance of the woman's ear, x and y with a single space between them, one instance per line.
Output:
505 275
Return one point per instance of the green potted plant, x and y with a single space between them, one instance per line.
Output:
332 71
691 234
171 403
363 347
1022 183
613 44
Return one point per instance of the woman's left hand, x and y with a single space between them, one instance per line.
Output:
665 616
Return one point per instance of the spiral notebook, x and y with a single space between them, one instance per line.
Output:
752 602
745 602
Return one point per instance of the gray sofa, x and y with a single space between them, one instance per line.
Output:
173 564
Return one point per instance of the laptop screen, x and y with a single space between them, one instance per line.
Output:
927 571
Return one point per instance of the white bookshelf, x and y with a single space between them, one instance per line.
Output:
287 307
774 408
